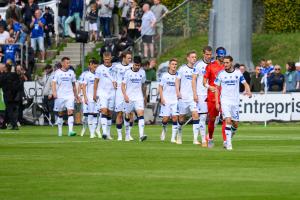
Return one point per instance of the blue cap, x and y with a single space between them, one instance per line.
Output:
221 52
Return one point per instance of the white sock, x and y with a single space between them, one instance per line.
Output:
174 130
104 125
130 127
119 130
141 126
228 133
95 121
180 129
108 126
70 123
196 129
126 124
60 125
98 123
84 122
202 127
91 125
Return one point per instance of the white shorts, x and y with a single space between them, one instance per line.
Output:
61 104
107 102
119 102
202 104
169 110
93 27
231 111
186 107
134 105
92 107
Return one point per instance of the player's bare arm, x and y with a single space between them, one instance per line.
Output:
177 85
194 87
84 93
75 93
162 100
54 89
96 82
247 90
126 99
217 98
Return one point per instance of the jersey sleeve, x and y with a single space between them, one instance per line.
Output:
55 77
196 70
242 78
97 73
218 80
207 71
73 77
162 81
125 78
144 77
179 73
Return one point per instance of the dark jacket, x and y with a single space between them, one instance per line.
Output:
138 14
10 12
12 87
76 6
247 78
276 82
255 83
28 12
63 8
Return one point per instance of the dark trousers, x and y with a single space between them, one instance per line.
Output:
105 23
49 104
12 109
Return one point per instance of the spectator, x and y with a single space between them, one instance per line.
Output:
23 77
266 71
9 52
125 6
150 70
246 75
298 74
105 14
159 11
48 100
63 13
12 93
290 77
115 19
49 26
276 80
92 18
3 3
20 31
29 10
4 35
3 22
134 17
148 30
13 11
75 13
255 81
37 33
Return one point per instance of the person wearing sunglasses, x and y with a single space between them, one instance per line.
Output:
276 80
255 81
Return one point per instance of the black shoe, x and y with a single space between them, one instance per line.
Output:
143 138
104 137
3 127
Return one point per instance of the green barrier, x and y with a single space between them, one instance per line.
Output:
2 105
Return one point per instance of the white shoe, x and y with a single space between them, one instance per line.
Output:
131 138
179 140
92 136
163 136
229 146
82 132
127 139
109 137
173 140
120 138
225 145
98 132
196 142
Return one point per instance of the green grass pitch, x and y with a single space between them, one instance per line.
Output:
36 164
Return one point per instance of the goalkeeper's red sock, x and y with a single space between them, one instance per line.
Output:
211 128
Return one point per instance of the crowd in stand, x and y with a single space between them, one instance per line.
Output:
269 78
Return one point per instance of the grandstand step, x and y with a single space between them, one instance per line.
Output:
87 45
72 56
71 53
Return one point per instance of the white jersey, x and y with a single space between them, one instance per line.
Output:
81 81
167 82
88 80
199 70
64 83
119 71
184 73
230 86
106 78
134 82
